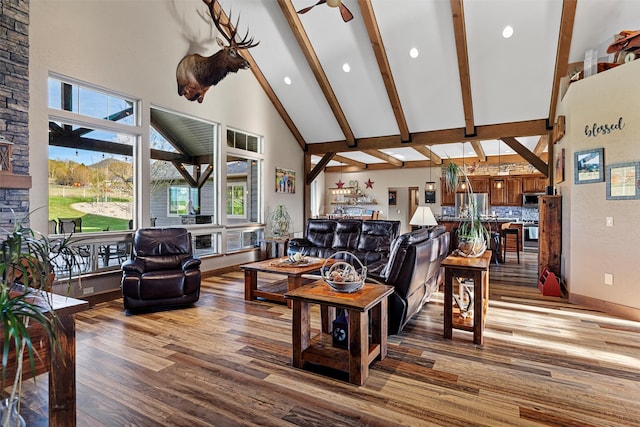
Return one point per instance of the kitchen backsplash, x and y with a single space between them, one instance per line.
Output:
523 213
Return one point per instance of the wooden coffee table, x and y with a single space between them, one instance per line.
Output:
275 291
363 349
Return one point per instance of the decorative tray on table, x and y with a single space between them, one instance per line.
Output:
296 261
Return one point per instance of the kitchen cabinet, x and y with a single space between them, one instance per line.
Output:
534 184
480 184
448 198
514 191
509 195
497 196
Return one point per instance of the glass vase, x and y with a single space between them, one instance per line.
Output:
9 415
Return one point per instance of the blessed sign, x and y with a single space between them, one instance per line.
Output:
603 129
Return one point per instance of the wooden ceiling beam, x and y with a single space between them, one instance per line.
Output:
510 158
534 160
319 167
384 156
268 90
371 24
477 147
543 142
185 174
314 63
562 53
460 34
445 136
349 161
428 153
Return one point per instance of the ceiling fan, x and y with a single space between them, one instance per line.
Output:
346 14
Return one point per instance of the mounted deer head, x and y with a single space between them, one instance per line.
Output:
196 73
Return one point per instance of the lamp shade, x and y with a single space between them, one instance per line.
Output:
423 216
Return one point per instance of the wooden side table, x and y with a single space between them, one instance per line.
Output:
275 291
362 349
273 248
471 268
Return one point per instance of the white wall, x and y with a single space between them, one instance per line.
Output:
590 248
133 47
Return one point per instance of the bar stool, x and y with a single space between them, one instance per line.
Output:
506 231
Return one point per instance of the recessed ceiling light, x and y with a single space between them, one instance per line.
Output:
413 52
507 32
287 80
346 68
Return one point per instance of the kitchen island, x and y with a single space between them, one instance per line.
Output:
493 224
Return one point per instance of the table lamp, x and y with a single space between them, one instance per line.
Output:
423 216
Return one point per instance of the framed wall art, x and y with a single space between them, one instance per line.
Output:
559 166
622 181
393 195
285 180
588 166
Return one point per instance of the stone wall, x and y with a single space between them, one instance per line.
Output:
14 103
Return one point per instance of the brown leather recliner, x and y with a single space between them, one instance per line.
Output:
162 270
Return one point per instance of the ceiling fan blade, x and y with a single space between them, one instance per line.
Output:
307 9
346 13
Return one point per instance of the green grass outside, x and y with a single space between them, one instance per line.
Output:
60 207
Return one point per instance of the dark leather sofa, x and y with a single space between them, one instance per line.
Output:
409 262
369 240
162 270
414 270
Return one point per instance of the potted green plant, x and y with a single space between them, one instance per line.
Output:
473 236
26 276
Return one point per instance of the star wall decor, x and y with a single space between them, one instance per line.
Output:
369 184
340 184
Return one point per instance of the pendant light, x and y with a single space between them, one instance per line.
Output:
499 182
431 186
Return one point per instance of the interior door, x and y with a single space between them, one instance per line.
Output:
414 201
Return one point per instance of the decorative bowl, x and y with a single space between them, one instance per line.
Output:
343 276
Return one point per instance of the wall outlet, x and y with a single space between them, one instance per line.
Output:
608 279
609 221
88 290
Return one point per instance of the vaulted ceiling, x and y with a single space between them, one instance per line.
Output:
469 90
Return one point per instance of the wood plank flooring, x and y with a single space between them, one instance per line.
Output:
227 362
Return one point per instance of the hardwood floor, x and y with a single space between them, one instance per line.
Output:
227 362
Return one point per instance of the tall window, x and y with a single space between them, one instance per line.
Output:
92 135
183 169
244 175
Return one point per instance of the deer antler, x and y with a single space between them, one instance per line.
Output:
195 74
226 27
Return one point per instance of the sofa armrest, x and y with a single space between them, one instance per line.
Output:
133 266
299 242
191 263
376 269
